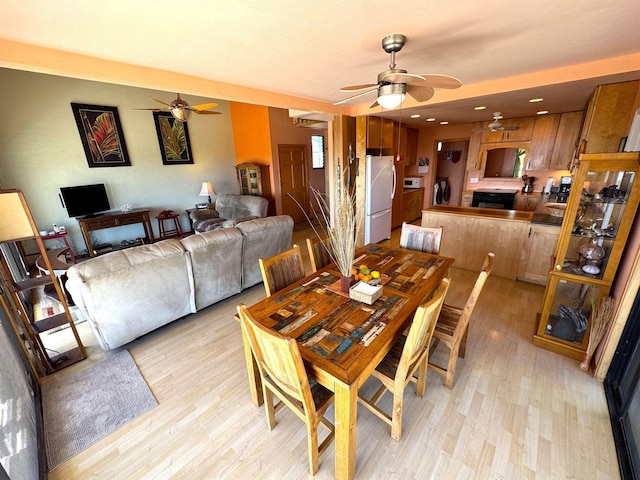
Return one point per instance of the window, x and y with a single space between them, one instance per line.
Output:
317 151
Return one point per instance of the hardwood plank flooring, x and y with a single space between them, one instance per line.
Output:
515 410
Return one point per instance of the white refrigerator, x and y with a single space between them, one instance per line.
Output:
380 186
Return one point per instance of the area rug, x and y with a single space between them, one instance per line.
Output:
89 405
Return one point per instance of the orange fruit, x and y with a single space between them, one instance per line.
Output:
363 266
367 278
354 271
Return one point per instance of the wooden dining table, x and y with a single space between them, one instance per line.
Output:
342 340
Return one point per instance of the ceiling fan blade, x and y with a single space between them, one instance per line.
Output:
374 104
153 109
398 77
480 129
510 127
354 88
356 96
421 93
160 101
205 112
441 81
203 106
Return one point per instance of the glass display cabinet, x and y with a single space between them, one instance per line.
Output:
600 212
253 179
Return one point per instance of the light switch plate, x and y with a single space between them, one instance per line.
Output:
473 180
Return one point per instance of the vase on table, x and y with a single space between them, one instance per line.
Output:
346 282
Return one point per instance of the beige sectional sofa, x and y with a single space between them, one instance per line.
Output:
128 293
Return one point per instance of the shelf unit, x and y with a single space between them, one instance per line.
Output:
17 225
600 212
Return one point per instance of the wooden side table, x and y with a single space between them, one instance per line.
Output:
115 219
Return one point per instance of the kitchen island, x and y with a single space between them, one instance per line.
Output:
524 243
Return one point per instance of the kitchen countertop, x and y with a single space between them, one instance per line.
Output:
496 213
546 219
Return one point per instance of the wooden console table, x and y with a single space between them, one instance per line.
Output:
115 219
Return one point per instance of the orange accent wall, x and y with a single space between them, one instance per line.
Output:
251 133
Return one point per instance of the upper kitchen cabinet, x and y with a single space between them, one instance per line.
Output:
412 146
523 133
565 146
380 132
543 140
608 117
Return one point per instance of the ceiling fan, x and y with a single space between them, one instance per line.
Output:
496 125
181 110
395 83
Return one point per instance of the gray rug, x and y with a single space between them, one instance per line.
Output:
89 405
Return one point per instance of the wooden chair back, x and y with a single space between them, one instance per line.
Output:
453 323
318 254
278 359
283 374
423 239
281 270
408 355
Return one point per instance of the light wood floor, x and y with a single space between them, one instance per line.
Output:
515 412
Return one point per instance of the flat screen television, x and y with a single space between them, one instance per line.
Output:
85 200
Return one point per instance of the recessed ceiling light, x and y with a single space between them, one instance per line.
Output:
444 123
542 112
432 119
480 107
535 100
415 115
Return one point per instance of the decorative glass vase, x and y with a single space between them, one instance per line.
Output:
592 253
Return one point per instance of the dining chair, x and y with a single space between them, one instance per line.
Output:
408 355
283 374
318 254
281 270
423 239
453 325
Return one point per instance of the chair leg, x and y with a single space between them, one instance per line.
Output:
396 418
451 367
463 344
422 379
312 447
268 406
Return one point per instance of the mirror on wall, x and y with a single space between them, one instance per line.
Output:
505 162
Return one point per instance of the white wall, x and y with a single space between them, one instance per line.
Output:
40 150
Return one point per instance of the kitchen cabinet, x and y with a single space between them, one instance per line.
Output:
537 255
412 204
475 141
18 225
467 199
523 133
542 142
412 146
608 115
380 132
253 179
565 146
600 212
526 202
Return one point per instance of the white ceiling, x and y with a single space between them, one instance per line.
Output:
311 49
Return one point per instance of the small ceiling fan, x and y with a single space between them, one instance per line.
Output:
393 84
181 110
496 125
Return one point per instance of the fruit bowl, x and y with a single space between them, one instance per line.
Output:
555 209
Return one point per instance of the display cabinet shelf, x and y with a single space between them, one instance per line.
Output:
600 212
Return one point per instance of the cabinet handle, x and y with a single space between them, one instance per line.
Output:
530 228
558 267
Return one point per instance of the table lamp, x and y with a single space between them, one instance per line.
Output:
207 190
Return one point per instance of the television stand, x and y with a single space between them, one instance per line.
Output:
92 215
115 219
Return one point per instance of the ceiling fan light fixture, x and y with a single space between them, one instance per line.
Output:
392 95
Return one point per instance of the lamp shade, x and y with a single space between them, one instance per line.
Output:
181 113
207 189
392 95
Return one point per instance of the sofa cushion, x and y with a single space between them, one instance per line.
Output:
263 237
215 260
128 293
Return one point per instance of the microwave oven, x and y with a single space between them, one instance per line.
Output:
413 182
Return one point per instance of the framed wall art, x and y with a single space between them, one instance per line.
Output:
101 135
173 137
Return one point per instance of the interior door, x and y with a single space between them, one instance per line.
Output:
293 181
